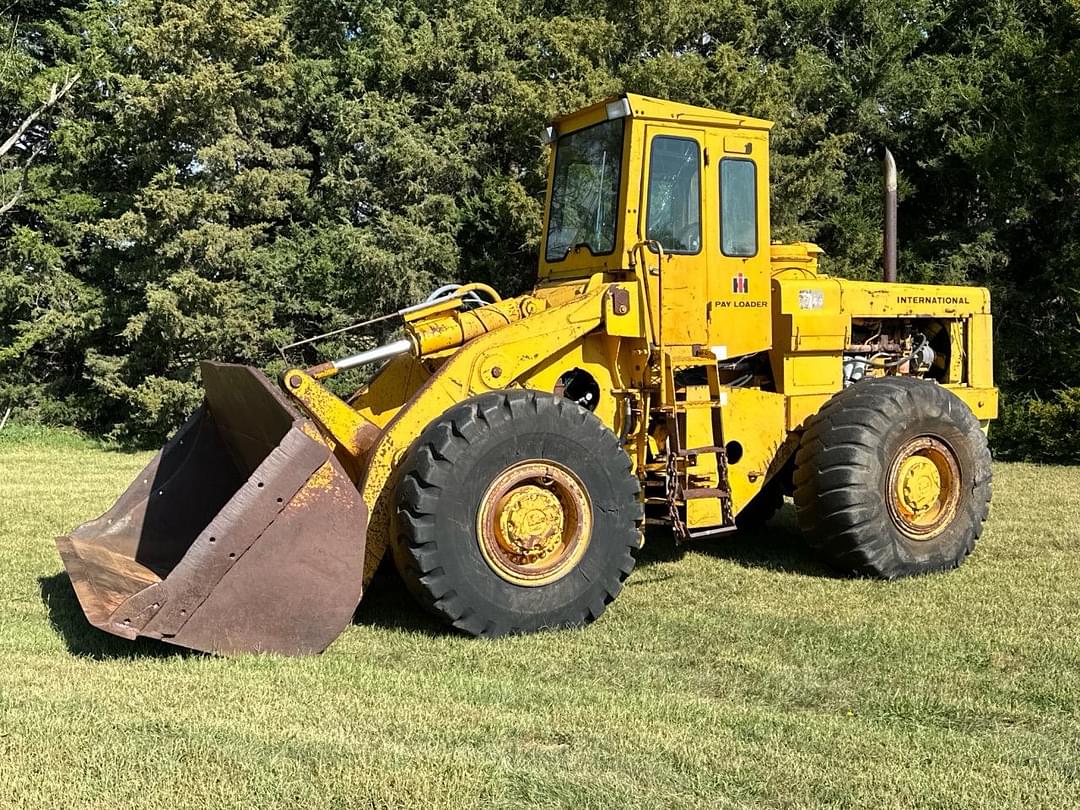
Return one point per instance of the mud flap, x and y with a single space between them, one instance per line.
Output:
245 533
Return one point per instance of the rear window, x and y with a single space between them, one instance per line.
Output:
738 207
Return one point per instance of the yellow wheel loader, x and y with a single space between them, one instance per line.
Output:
671 366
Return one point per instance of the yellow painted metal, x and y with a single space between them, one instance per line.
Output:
918 485
924 487
698 429
346 426
754 425
980 350
800 407
534 523
737 306
812 317
391 389
955 373
530 522
451 329
875 299
624 311
795 259
650 117
680 278
600 357
982 401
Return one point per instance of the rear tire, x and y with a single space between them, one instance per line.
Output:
893 479
517 511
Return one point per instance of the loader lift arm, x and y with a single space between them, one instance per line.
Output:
492 361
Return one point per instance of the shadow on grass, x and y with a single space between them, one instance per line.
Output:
777 546
83 639
387 603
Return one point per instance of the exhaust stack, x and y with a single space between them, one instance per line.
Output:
890 218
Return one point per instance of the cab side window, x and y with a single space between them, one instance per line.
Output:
674 209
738 207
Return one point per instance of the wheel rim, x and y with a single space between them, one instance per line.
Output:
923 489
534 523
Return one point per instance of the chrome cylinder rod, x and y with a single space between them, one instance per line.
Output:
375 355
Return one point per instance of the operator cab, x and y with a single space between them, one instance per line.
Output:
683 190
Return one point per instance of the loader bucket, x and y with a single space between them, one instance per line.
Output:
243 534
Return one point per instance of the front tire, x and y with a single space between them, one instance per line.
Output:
893 479
517 511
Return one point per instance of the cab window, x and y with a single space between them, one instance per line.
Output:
585 191
738 207
674 209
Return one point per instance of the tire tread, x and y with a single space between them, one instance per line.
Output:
430 472
840 449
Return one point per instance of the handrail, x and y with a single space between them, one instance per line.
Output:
656 245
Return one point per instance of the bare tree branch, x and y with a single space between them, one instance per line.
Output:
14 197
22 181
55 94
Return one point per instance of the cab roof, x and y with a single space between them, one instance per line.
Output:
656 109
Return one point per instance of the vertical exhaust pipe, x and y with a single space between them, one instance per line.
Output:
890 218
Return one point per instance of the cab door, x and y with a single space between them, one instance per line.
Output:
737 305
673 215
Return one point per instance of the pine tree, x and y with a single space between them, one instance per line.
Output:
227 177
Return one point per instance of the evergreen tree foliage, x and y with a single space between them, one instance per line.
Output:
226 177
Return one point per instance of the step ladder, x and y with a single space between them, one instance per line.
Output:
698 495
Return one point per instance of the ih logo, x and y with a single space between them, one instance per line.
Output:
740 284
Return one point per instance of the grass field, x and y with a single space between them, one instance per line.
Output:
736 674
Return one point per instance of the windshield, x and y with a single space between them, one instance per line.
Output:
585 191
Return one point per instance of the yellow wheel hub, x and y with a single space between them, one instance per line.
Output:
530 522
918 484
534 523
924 487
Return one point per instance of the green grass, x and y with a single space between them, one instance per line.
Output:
736 674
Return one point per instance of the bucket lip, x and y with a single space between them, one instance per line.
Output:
86 590
275 390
